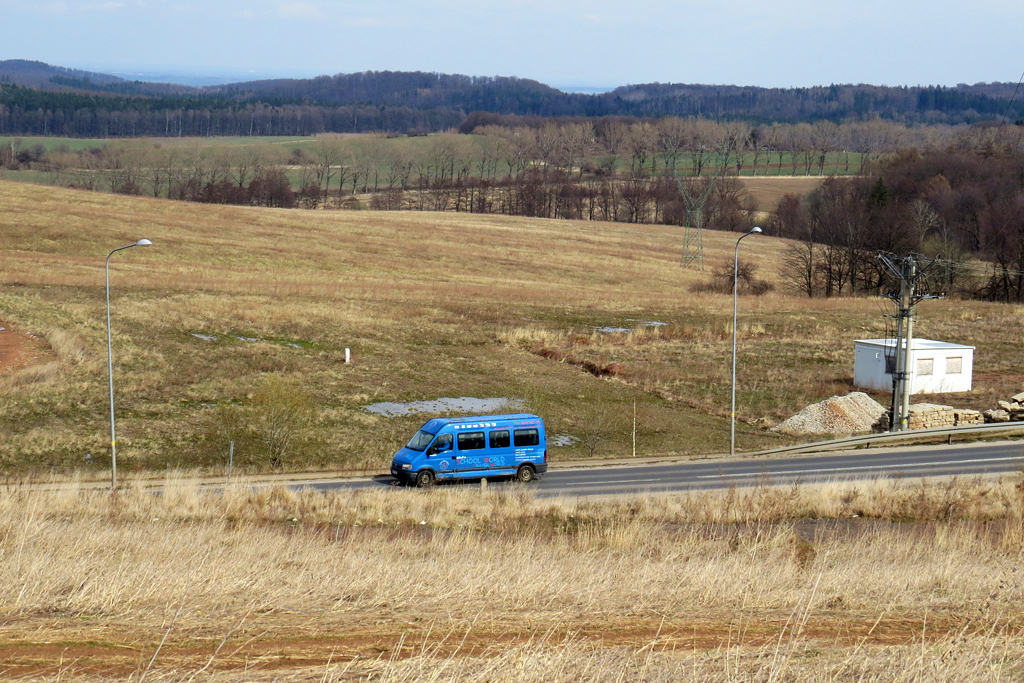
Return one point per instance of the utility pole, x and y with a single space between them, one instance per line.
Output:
910 294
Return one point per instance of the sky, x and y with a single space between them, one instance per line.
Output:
571 44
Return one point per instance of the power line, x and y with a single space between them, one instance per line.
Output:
1012 97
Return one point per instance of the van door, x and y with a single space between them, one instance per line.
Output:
501 455
439 456
471 451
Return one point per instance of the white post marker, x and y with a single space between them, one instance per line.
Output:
348 356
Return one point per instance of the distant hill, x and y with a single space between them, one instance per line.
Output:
43 99
961 104
416 89
59 79
917 104
38 74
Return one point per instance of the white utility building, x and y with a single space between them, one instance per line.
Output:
935 367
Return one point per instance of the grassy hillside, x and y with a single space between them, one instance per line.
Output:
431 305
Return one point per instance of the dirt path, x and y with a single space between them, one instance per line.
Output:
120 654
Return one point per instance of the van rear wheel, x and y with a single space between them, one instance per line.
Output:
525 474
425 479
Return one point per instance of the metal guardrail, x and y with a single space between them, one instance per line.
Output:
892 437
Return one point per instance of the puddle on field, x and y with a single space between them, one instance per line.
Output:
563 440
213 337
612 329
463 404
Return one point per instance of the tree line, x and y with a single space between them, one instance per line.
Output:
956 204
26 111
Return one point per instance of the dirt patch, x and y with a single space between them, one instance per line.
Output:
20 350
768 190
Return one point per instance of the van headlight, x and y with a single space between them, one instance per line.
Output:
407 466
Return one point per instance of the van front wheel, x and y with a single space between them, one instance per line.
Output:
425 479
525 474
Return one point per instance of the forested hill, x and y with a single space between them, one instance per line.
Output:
919 104
418 89
39 74
38 99
931 104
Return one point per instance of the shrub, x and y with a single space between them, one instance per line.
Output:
722 279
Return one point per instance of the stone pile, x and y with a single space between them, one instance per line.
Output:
854 413
1008 411
933 415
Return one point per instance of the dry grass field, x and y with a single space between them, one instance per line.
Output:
431 305
896 581
766 191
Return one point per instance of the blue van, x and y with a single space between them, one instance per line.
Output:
473 448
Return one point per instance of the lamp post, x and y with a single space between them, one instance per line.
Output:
110 368
735 307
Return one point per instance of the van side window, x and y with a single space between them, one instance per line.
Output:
471 441
527 437
442 443
500 439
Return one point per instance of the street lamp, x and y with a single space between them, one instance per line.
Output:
110 368
735 305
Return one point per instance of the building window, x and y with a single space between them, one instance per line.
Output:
925 366
954 366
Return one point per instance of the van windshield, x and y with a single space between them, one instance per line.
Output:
420 441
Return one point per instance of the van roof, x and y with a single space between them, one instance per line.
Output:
434 425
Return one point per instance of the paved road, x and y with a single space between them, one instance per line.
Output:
911 462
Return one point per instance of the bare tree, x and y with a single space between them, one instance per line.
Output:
548 139
825 138
672 132
278 414
328 156
734 141
575 142
491 150
702 143
614 142
643 144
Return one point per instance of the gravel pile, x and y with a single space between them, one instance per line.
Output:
851 414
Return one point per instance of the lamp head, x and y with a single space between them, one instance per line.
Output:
145 243
755 229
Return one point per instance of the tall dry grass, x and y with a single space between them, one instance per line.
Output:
465 585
